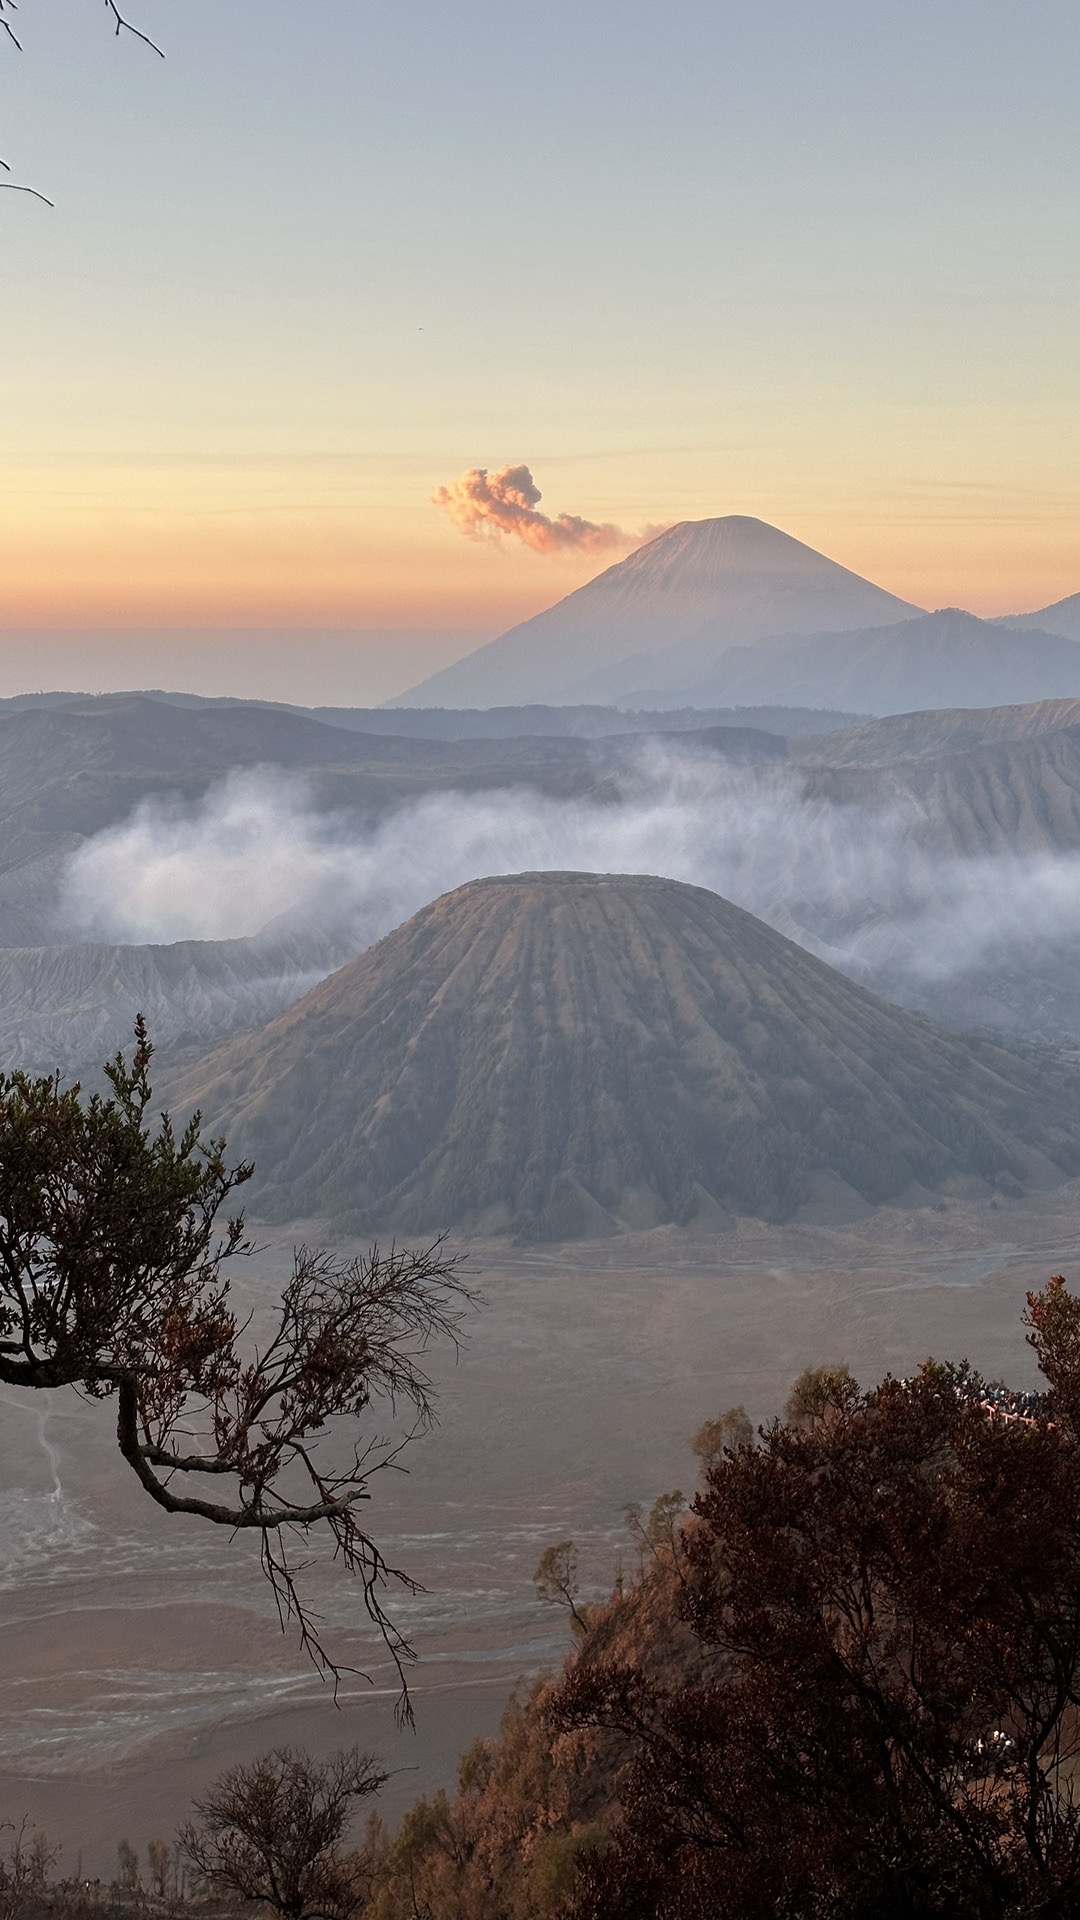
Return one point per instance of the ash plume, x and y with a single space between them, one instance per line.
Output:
487 506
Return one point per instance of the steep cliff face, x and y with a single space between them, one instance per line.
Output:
72 1007
555 1054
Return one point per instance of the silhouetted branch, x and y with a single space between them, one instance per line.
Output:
121 25
16 186
272 1833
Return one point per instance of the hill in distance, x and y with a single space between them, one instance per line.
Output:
553 1055
463 724
1063 617
661 617
945 659
936 733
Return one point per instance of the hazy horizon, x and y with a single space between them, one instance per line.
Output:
308 665
304 666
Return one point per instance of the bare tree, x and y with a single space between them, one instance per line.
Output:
272 1832
25 1864
556 1579
159 1861
112 1283
120 24
128 1881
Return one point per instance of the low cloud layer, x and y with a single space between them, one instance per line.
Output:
255 852
855 885
485 506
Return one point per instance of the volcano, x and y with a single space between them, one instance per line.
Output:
661 618
556 1055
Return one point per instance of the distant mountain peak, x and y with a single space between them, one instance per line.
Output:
725 544
663 616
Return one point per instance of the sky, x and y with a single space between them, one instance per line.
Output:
814 262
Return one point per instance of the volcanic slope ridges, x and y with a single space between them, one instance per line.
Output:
554 1054
72 1007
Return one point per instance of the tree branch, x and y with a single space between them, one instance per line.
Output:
111 1282
16 186
121 25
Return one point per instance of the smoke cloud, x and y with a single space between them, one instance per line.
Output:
485 506
856 885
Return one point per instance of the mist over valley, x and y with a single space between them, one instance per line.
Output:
931 856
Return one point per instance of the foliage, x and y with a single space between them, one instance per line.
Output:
660 1526
25 1863
733 1428
272 1832
846 1687
534 1802
505 1847
112 1281
886 1595
160 1862
817 1390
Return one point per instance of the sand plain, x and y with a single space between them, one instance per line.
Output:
141 1653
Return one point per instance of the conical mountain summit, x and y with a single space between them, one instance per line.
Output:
662 617
557 1054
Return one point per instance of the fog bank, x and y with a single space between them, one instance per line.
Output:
858 885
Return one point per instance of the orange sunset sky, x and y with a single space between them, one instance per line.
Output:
807 264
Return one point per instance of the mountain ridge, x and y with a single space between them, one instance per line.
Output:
936 661
1062 617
